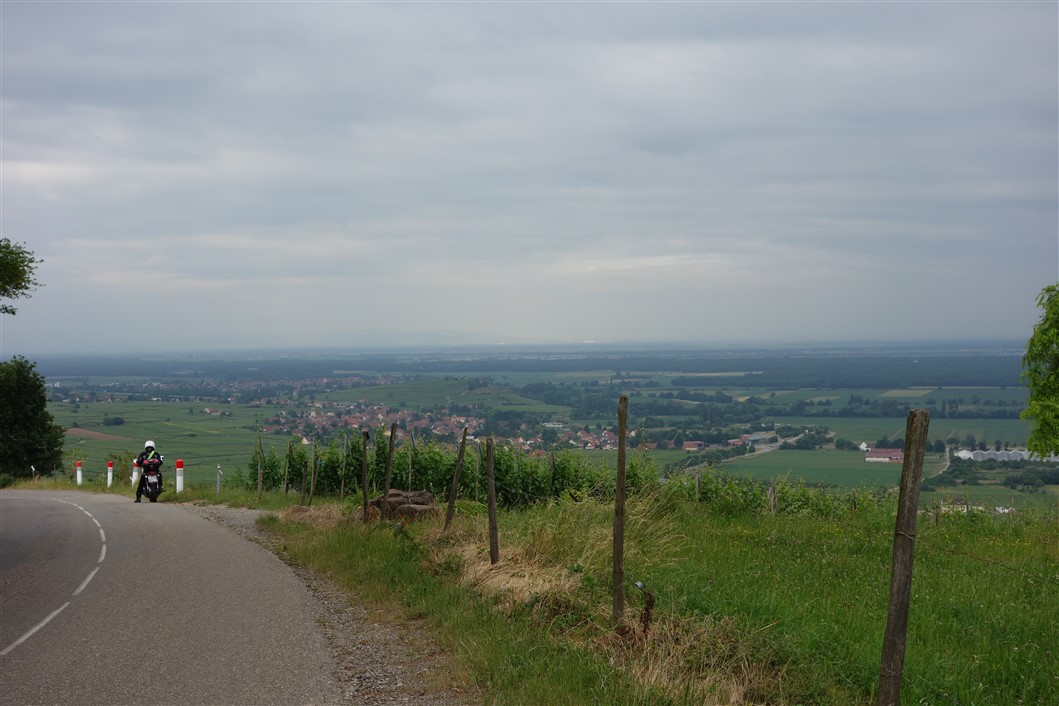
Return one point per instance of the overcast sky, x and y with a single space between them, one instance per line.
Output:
200 175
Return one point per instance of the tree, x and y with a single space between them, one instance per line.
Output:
17 266
28 435
1040 372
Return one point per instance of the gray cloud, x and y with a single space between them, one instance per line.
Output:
255 173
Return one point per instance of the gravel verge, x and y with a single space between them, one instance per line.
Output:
378 659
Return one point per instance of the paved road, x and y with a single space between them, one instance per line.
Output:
105 601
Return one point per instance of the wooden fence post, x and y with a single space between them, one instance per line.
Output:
618 611
893 653
364 473
772 497
345 468
312 483
286 467
384 505
551 477
260 469
411 452
494 534
305 469
455 487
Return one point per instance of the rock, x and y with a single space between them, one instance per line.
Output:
411 504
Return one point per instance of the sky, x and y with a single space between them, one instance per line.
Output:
217 175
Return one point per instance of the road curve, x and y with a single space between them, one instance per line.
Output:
105 601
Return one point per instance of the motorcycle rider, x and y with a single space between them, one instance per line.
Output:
149 459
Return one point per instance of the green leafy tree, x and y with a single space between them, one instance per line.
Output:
17 267
1040 372
29 438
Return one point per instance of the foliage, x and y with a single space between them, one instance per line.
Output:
1041 374
17 266
29 438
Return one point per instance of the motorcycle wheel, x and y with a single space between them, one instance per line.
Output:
154 498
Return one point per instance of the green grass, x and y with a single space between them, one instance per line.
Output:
506 658
764 609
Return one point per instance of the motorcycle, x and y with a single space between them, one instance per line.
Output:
152 480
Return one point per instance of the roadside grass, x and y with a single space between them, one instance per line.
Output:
786 609
504 657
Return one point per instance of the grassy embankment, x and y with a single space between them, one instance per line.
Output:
750 609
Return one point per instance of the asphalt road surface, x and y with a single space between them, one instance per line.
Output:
105 601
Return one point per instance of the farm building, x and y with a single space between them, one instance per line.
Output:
885 456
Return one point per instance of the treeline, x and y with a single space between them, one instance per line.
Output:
1027 476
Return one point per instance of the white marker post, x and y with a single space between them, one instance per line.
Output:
135 473
180 475
79 473
110 473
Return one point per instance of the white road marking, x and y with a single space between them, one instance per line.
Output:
35 628
84 583
82 587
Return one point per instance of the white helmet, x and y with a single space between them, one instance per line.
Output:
149 445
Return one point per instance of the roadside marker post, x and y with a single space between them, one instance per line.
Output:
79 473
135 474
110 473
180 475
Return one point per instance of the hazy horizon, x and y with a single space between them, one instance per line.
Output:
234 175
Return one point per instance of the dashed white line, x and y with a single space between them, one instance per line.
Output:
35 628
84 583
82 587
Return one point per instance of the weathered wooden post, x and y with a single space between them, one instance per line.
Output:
384 505
772 497
260 468
893 653
455 487
411 452
551 477
494 534
312 482
305 469
286 467
618 612
364 473
345 468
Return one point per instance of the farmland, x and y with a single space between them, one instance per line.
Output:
211 412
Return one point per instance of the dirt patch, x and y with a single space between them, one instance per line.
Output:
320 516
93 434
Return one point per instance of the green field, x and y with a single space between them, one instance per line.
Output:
1014 431
846 469
203 441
